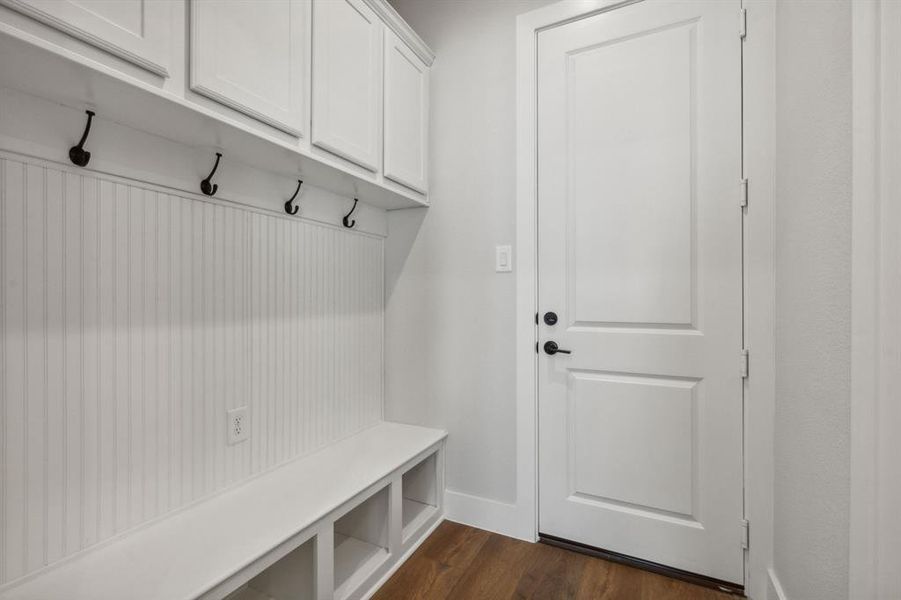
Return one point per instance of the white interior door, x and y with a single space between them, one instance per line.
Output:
640 443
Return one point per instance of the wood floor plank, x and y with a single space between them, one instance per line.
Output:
496 571
440 563
613 582
554 575
458 562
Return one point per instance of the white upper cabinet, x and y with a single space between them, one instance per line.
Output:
342 86
254 57
406 115
138 31
347 75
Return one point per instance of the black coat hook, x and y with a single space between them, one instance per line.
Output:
345 220
289 207
77 154
207 186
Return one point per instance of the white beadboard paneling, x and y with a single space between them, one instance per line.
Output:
35 367
72 365
132 318
55 425
14 388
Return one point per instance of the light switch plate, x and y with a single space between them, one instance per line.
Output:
503 259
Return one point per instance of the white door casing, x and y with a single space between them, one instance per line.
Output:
347 76
254 57
875 550
135 30
639 237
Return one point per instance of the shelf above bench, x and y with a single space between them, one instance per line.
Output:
194 552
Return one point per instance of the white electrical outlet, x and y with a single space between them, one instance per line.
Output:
238 425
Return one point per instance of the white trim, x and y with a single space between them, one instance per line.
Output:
396 23
12 151
319 206
527 27
864 302
482 513
759 125
875 296
759 145
775 586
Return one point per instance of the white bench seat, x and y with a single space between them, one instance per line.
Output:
190 553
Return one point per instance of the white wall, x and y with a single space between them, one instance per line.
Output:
449 316
132 316
813 302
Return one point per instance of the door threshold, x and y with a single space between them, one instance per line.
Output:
646 565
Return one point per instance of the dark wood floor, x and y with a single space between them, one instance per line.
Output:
461 563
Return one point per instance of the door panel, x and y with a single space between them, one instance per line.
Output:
631 129
640 255
254 57
347 75
639 425
406 115
137 30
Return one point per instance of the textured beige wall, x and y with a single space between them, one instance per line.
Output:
813 297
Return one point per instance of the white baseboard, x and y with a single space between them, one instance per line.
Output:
483 513
774 589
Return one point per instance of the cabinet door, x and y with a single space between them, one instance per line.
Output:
406 115
347 74
254 57
136 30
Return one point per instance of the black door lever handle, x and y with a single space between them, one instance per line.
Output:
552 348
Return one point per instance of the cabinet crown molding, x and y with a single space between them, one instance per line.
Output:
402 29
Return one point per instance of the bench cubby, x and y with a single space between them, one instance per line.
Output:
327 526
420 495
293 577
361 540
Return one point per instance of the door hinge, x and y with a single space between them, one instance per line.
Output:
743 23
745 534
743 200
745 363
